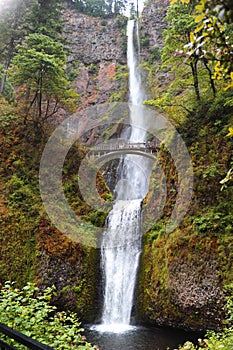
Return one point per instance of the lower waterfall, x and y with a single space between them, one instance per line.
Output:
120 255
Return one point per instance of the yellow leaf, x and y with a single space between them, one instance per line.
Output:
230 132
199 28
228 87
199 8
173 1
192 37
199 18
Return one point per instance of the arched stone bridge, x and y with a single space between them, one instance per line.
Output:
111 150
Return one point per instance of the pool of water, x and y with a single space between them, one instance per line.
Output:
137 338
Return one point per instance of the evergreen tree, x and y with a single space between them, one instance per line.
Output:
133 11
38 68
119 6
96 7
46 18
100 8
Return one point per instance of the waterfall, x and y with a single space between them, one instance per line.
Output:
120 255
121 243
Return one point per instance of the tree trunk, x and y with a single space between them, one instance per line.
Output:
3 81
195 78
210 76
7 63
40 96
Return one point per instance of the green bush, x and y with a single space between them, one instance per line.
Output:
121 21
104 23
145 42
213 220
29 311
155 54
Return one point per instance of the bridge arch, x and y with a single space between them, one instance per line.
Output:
117 153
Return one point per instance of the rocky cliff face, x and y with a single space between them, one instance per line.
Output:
152 26
93 40
181 283
97 51
97 58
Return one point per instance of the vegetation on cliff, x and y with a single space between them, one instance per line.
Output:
185 275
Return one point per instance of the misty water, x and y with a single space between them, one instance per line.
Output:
140 338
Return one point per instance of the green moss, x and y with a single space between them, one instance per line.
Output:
116 96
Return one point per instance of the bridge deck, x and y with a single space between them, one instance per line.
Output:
139 148
147 147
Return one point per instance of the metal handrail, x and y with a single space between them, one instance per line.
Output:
125 146
21 339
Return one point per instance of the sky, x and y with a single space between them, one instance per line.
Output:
4 3
140 5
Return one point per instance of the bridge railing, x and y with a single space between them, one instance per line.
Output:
123 145
21 339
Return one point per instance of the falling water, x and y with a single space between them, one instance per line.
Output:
121 244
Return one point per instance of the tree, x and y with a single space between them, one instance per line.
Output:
21 17
38 68
95 7
212 38
118 6
198 39
46 18
133 11
177 35
100 8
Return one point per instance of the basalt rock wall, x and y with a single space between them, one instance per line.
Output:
97 52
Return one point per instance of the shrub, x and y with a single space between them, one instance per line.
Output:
145 42
29 311
104 23
155 54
